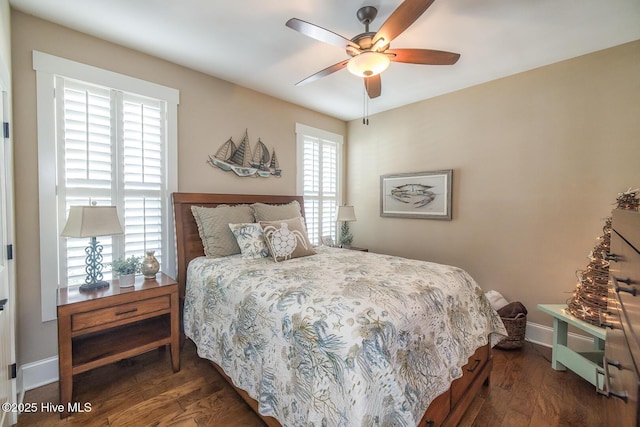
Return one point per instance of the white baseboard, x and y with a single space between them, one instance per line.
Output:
42 372
37 374
543 335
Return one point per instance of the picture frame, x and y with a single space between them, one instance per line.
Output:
424 195
327 241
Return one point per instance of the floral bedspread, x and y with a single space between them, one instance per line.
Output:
340 338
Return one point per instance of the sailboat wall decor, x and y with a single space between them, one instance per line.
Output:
238 158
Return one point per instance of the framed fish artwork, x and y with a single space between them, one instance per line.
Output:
425 195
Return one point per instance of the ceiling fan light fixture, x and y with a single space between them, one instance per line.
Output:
379 44
368 64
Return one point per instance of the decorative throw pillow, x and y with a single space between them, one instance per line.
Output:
250 238
213 227
264 212
287 238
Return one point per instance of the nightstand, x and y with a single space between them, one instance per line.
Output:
109 324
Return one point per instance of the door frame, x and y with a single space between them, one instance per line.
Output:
11 307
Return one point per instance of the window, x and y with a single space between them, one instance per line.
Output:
319 179
109 139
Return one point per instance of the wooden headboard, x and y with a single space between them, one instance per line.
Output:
188 242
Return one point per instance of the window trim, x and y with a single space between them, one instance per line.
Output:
47 67
304 130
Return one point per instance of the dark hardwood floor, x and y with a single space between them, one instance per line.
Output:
143 391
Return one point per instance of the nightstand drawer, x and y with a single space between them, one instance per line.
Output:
116 313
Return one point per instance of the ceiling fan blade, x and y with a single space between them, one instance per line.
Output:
319 33
401 19
423 56
373 85
329 70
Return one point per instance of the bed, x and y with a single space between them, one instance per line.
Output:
339 337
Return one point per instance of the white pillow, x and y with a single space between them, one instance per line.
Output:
496 300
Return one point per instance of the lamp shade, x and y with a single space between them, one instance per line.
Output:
346 213
368 64
92 221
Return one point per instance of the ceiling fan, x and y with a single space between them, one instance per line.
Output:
369 53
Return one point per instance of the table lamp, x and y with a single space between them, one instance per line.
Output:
92 221
345 214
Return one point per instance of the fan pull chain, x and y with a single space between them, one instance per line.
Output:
365 108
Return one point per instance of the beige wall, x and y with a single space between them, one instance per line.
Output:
210 111
538 161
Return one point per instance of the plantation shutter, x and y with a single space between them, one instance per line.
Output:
110 147
320 187
142 180
329 179
85 131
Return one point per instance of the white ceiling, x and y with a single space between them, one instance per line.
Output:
247 43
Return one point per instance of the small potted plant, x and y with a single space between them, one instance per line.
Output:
126 270
345 236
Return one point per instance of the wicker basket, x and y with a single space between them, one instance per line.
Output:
515 328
